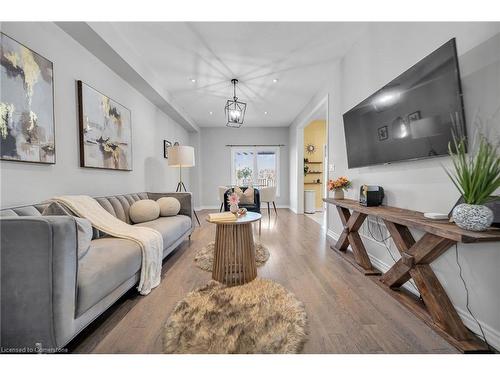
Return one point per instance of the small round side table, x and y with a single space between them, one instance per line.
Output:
234 254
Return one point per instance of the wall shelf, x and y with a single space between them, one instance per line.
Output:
313 162
314 172
312 183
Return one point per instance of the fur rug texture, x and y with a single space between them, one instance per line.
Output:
204 258
258 317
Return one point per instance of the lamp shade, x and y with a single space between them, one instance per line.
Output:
181 156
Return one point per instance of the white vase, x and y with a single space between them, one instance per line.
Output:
233 208
472 217
338 194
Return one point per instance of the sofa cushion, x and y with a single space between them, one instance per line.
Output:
170 227
144 210
169 206
108 263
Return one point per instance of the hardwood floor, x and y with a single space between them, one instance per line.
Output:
347 313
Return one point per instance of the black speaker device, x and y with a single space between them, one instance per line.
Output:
371 195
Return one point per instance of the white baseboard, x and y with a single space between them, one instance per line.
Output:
492 335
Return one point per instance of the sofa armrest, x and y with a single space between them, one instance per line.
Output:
38 256
186 200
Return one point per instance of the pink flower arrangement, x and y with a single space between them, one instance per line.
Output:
233 199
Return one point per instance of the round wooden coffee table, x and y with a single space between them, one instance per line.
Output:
234 254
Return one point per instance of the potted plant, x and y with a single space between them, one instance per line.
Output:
476 176
338 186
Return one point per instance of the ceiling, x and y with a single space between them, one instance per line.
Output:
298 54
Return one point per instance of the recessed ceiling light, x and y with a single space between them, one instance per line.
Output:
193 80
210 113
275 80
265 112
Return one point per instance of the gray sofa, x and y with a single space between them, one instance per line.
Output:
49 292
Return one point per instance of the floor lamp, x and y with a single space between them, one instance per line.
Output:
182 157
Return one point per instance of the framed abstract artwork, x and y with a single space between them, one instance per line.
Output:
166 145
383 133
105 131
414 116
27 129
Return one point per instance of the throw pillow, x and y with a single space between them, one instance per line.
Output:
144 210
169 206
247 196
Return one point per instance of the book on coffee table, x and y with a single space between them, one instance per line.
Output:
222 216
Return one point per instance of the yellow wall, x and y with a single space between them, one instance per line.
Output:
315 134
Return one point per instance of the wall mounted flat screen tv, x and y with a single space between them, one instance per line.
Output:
411 117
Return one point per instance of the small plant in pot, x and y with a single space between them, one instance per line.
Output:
338 186
476 176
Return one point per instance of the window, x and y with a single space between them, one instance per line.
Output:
255 166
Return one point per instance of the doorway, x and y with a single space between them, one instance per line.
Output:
318 113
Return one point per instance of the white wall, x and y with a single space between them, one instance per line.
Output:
216 158
385 51
29 183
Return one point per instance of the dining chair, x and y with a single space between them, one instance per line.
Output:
268 195
222 190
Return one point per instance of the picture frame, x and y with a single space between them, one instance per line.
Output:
383 133
414 116
27 123
166 145
105 130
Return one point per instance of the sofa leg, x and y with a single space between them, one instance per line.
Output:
268 211
275 210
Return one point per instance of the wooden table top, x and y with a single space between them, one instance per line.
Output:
245 219
417 220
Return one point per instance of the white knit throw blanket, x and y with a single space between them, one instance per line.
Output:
150 240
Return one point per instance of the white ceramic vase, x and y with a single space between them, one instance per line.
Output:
472 217
338 194
233 208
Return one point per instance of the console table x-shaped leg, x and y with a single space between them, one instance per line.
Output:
350 236
416 257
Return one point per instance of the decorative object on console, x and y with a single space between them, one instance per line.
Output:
233 201
338 186
169 206
204 258
27 130
476 175
144 210
105 131
371 195
435 216
234 109
258 317
306 169
166 145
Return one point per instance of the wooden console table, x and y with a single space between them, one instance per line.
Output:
416 256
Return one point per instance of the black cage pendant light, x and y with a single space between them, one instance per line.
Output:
235 110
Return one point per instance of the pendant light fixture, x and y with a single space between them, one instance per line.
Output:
234 110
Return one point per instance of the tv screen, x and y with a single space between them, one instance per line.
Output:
411 117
